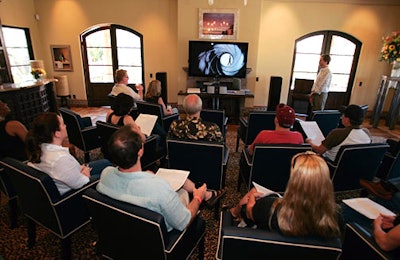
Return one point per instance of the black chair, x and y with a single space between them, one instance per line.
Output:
354 162
8 189
390 166
248 243
206 161
216 116
250 126
327 120
144 107
126 231
359 243
81 133
152 152
269 166
42 204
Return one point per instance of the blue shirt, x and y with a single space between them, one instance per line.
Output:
146 190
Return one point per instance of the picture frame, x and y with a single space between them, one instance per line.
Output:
61 57
219 24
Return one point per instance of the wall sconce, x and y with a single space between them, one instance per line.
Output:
210 2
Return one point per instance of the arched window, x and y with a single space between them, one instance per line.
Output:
105 48
344 50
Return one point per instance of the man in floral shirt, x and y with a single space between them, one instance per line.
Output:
193 127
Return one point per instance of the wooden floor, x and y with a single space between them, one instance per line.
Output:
99 113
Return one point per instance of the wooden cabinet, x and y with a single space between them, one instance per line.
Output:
5 71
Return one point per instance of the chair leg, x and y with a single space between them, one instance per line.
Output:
31 233
13 205
200 248
87 157
237 141
66 248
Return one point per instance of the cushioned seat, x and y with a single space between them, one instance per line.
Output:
42 204
248 243
127 231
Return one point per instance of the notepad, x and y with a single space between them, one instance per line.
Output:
146 123
367 207
312 131
264 190
176 178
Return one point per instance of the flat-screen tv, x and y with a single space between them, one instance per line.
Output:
217 59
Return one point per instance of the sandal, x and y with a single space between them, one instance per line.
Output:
215 197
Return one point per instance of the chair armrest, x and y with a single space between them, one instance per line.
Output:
226 156
77 192
91 138
248 157
86 122
244 121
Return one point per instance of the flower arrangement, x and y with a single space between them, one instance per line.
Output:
38 73
391 48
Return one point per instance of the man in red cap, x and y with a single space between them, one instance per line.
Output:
284 120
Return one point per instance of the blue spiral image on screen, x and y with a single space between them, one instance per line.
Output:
223 59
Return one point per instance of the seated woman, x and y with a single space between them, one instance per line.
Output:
46 153
153 95
12 135
120 112
307 207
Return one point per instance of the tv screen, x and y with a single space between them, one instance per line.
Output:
217 59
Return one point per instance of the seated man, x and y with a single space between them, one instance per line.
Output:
284 120
386 228
352 118
127 182
193 127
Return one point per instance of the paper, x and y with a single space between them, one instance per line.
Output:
176 178
193 90
367 207
264 190
311 129
146 123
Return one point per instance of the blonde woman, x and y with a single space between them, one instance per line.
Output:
153 95
307 207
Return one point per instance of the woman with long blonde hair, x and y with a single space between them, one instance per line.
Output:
307 207
153 95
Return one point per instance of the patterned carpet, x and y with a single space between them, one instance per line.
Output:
13 243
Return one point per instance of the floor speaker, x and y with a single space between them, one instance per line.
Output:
162 77
274 97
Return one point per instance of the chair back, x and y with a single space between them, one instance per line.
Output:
144 107
354 162
126 230
327 120
152 152
41 202
80 131
258 121
271 164
205 160
248 243
215 116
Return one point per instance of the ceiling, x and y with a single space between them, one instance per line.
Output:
361 2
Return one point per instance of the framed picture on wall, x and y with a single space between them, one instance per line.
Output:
218 24
62 60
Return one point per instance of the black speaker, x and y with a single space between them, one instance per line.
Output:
162 76
274 97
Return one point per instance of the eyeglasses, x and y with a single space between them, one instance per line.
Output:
306 153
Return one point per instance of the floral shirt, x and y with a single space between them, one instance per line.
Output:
196 129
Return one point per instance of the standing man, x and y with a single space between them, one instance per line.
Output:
320 89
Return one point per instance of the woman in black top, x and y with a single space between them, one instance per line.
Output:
12 135
307 208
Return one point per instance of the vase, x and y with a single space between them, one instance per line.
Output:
395 69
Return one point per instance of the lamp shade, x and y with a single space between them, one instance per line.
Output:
62 87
